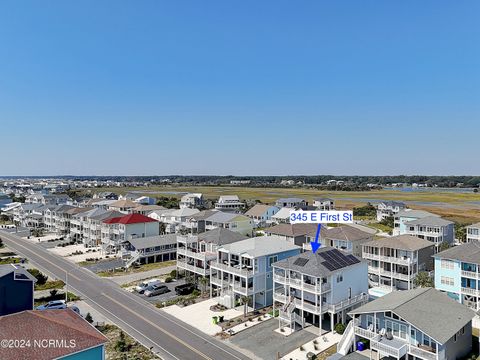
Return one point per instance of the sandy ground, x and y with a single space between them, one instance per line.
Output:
200 316
331 339
68 250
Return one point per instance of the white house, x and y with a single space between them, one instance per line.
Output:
324 204
229 203
116 231
389 208
192 200
310 288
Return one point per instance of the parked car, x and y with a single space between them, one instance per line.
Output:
74 308
156 289
140 288
56 304
184 289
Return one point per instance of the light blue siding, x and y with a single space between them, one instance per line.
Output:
96 353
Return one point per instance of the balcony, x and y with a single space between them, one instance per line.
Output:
470 291
396 260
395 347
470 274
231 269
423 354
279 297
360 298
197 270
364 333
370 256
280 279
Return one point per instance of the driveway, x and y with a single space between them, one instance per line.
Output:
263 342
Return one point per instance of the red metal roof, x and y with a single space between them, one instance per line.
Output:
130 219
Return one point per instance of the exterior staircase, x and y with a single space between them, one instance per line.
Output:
346 342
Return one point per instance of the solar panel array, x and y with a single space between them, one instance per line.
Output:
300 262
334 259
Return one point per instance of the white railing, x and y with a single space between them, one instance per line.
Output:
470 274
389 350
470 291
347 338
308 307
396 260
279 279
367 334
185 266
231 269
360 298
370 256
279 297
424 354
196 255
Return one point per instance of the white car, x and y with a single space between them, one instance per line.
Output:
140 288
56 304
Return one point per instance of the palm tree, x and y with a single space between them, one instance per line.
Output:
245 300
423 280
204 282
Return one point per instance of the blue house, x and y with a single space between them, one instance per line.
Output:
413 324
16 289
457 272
244 268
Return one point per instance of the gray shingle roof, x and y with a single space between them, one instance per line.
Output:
414 213
347 233
430 221
469 252
293 230
314 266
430 310
152 241
220 236
401 242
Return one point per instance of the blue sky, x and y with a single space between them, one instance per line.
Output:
239 87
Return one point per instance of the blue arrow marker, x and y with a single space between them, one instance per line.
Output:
315 244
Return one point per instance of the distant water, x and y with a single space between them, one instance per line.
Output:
430 189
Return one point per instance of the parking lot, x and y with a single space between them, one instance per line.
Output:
163 297
264 342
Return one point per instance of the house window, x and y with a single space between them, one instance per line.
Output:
446 264
272 259
445 280
339 278
369 320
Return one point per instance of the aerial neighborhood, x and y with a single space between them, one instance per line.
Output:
237 271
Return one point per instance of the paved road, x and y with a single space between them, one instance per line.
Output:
170 338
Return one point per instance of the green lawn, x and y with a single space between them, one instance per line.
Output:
380 227
54 284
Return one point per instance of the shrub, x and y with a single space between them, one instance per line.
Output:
41 278
89 318
340 328
53 292
168 279
173 274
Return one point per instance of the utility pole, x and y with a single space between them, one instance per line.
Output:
66 286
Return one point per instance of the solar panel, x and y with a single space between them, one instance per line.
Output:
329 266
300 262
